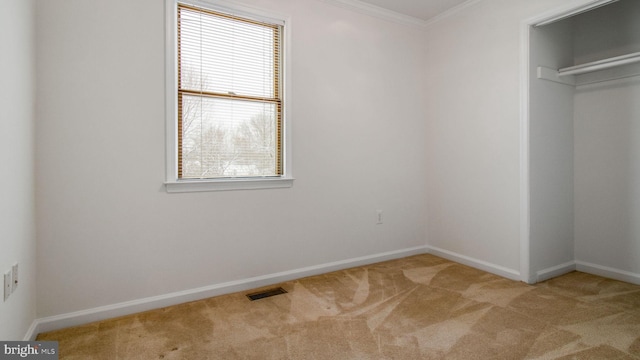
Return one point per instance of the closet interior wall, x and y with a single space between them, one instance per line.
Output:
585 147
551 152
607 142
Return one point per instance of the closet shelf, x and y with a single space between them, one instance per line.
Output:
600 65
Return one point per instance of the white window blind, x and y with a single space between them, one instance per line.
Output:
229 96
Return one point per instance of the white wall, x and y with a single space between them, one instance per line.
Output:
607 180
17 208
472 78
109 233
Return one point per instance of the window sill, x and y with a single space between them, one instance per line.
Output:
181 186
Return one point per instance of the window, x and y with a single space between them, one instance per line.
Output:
226 119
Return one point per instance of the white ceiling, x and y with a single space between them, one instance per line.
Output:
420 9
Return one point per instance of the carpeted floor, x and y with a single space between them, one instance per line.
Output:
420 307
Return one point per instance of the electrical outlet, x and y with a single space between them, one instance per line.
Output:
7 285
14 281
379 217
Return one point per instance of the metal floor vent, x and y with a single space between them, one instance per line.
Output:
266 293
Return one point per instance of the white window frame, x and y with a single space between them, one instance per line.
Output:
172 182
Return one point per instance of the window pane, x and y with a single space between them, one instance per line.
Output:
228 138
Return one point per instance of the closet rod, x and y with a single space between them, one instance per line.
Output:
600 65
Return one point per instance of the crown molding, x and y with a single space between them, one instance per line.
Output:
378 12
390 15
454 10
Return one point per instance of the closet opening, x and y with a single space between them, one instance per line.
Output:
580 187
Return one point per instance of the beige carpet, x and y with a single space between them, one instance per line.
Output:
421 307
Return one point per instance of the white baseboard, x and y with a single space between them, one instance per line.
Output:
608 272
31 332
588 268
131 307
475 263
555 271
